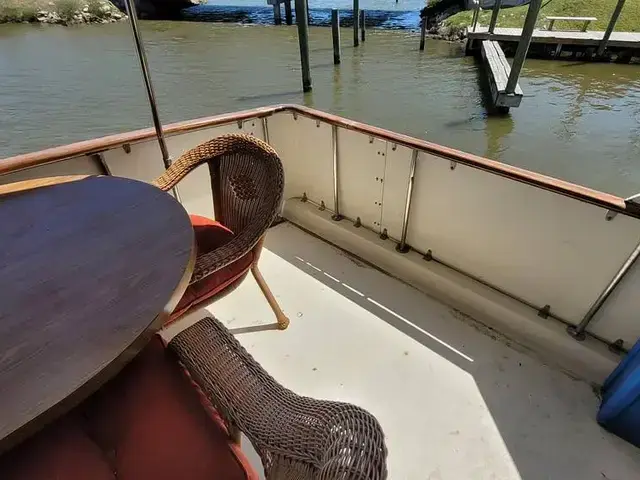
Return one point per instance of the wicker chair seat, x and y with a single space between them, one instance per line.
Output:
211 235
148 423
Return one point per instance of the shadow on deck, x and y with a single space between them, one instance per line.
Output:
456 400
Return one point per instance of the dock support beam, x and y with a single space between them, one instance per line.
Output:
356 15
277 14
303 39
335 34
423 32
610 27
287 12
363 17
494 15
523 45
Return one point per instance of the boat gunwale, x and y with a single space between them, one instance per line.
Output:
94 146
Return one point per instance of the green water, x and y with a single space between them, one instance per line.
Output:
578 121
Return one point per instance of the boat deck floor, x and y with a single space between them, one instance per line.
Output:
456 401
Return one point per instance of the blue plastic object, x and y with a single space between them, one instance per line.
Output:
620 409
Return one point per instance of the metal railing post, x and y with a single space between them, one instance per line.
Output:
265 130
144 65
578 332
402 246
336 191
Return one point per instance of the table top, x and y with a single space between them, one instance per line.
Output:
90 268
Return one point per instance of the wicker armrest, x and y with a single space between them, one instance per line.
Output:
296 437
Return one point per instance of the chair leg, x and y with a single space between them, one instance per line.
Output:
283 321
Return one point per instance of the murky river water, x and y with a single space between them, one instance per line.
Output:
578 121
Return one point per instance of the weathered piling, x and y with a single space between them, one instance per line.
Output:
277 13
335 33
423 32
610 27
287 12
523 45
302 20
363 17
356 15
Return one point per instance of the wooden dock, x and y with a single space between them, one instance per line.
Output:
589 38
498 70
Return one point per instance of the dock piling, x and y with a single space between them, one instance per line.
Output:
287 12
423 32
356 15
335 33
523 45
610 27
277 13
363 17
302 21
494 15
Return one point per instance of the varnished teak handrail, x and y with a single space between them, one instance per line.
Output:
604 200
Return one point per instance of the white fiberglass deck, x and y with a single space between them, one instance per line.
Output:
455 402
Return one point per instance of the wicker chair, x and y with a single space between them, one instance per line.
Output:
247 182
297 438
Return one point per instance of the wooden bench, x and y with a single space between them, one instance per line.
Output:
498 70
586 21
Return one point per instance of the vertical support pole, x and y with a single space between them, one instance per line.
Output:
494 15
144 66
277 13
287 12
336 191
402 246
610 27
335 33
476 14
363 17
577 332
423 32
356 15
303 39
523 45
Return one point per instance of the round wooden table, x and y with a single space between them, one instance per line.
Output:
90 268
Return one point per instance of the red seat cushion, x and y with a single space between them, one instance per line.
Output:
145 424
209 236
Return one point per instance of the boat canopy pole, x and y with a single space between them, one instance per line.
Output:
144 65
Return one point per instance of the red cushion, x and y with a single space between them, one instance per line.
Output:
146 424
209 236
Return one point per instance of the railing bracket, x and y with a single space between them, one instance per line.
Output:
304 197
357 223
322 206
317 123
127 148
428 256
371 139
295 115
336 217
617 346
402 248
453 165
384 235
240 124
544 311
575 333
611 214
394 146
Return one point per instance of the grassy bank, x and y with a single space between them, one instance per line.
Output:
629 20
58 11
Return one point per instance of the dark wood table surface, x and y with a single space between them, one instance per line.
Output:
90 268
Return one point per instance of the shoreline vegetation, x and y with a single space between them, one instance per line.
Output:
61 12
629 20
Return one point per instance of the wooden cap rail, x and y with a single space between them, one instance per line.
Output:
604 200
